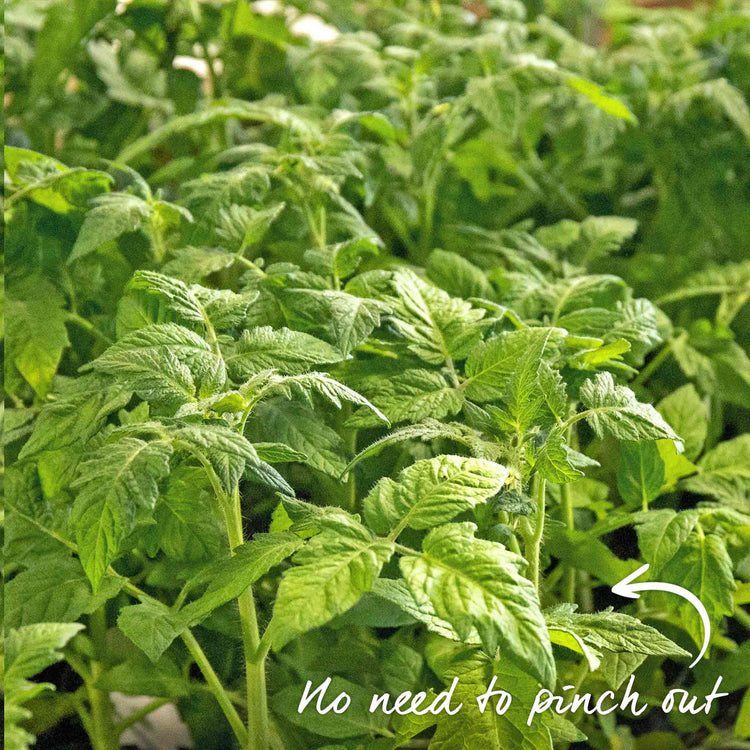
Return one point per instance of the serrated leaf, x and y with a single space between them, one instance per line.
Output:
724 473
612 631
473 583
491 364
151 625
296 425
411 396
185 516
703 566
640 475
228 578
354 722
685 412
661 533
431 492
331 574
54 588
113 484
165 363
339 318
290 352
111 216
36 335
457 276
615 409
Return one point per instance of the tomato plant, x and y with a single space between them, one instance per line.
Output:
380 357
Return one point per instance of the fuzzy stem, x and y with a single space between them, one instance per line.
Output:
255 668
570 525
214 684
534 538
105 737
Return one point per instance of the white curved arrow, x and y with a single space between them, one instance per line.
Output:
627 588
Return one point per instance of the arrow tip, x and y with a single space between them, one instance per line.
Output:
623 588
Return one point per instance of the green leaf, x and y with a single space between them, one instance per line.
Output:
151 625
79 411
491 364
290 352
309 383
595 94
339 318
111 216
331 574
296 425
437 325
29 650
457 276
36 335
475 584
164 363
470 728
409 397
54 588
137 675
612 631
119 479
176 295
185 516
193 264
615 409
724 473
228 452
684 410
227 579
702 566
661 533
431 492
50 183
640 475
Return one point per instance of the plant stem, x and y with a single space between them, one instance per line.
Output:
534 539
214 684
255 668
140 714
653 365
570 525
104 737
88 326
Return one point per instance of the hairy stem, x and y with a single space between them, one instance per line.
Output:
570 525
105 736
255 668
534 537
214 684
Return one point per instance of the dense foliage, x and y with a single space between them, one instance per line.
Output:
380 358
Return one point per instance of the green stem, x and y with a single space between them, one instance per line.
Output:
653 365
88 326
255 668
214 684
534 538
105 736
139 715
742 617
570 525
199 657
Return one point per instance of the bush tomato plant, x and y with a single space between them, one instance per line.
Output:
381 358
